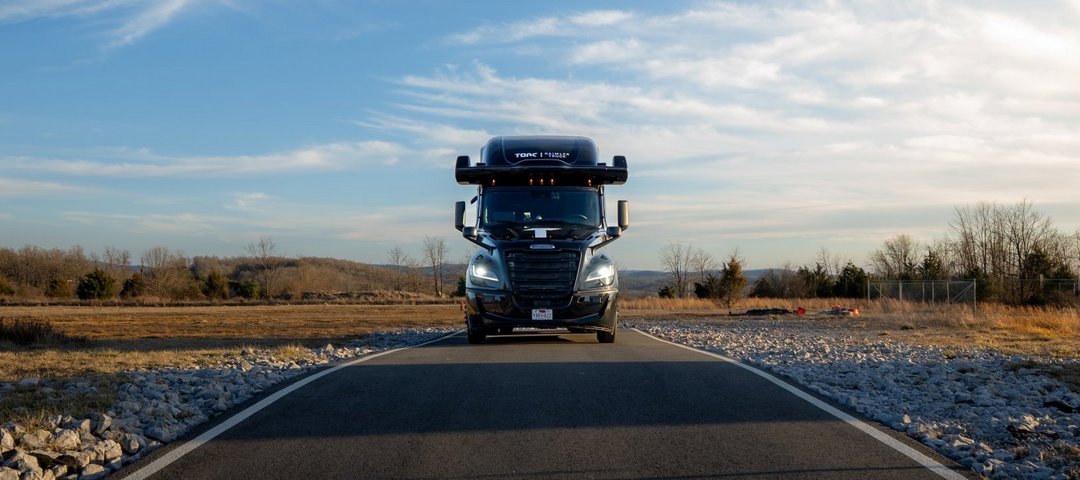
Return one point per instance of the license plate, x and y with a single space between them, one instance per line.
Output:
543 314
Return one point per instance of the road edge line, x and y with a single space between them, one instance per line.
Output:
919 457
186 447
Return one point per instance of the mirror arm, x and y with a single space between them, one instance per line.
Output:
610 238
474 238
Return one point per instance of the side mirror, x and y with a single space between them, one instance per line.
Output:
459 215
624 214
469 232
614 232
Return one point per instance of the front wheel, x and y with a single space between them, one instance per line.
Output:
606 337
474 329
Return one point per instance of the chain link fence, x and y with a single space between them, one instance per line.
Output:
1036 291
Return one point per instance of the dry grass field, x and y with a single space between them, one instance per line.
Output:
107 340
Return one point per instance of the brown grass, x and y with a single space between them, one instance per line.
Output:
223 322
126 338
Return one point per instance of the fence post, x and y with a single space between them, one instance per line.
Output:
901 284
974 296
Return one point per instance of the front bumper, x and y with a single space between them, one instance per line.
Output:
587 310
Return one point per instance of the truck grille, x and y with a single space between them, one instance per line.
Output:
542 279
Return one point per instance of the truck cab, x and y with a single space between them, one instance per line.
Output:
540 222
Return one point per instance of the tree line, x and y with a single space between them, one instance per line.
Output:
1013 252
262 273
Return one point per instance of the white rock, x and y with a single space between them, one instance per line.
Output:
100 422
24 462
111 450
7 440
66 440
93 472
75 459
36 440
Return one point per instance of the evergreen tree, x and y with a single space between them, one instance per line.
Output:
96 285
818 282
932 267
732 281
852 282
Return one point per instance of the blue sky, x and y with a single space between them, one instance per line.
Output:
331 127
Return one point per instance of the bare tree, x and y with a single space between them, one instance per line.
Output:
677 259
435 254
167 274
1027 231
829 262
266 258
397 257
702 262
897 259
117 262
403 266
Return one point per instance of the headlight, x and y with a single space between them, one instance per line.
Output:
482 272
601 273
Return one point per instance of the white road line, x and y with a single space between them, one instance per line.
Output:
917 456
175 454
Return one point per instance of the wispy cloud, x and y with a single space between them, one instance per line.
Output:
144 21
550 26
145 163
13 187
127 21
247 201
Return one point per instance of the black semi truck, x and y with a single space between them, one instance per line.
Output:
540 221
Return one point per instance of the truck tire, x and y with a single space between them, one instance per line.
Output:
474 332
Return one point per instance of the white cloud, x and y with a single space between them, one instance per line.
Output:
607 51
145 21
13 187
247 201
549 26
601 18
144 163
128 21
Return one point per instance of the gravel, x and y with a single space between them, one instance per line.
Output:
991 412
158 406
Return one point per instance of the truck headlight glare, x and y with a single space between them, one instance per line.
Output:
602 275
483 273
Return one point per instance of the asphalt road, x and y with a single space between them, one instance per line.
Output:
543 407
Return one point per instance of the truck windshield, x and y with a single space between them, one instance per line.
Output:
578 206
